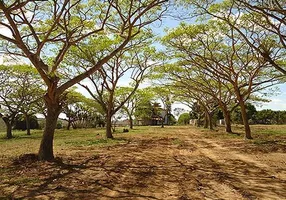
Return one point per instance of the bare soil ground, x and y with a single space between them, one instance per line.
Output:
172 163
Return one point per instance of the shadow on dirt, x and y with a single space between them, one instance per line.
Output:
141 169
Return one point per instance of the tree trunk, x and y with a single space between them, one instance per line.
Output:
27 119
130 122
227 120
163 120
168 121
8 124
69 124
245 120
210 117
9 130
53 111
199 120
109 126
206 123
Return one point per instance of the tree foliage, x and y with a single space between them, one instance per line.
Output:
184 118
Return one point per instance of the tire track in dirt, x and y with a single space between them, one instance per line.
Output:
156 171
246 177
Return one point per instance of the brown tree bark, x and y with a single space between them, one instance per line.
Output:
206 123
130 122
109 125
53 111
27 119
8 122
199 120
227 120
211 125
9 130
69 124
245 120
162 122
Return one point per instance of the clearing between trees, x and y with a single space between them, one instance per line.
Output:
148 163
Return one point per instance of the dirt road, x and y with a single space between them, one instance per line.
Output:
180 164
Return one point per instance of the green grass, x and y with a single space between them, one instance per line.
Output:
72 139
177 141
86 138
25 180
23 144
100 142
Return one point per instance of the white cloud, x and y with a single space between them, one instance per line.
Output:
277 104
5 31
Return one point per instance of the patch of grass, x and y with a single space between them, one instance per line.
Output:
25 180
271 132
64 139
18 135
177 141
268 142
5 170
99 142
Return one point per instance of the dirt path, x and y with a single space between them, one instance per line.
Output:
180 165
244 175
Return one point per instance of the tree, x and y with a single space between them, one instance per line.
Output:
144 111
223 54
80 111
104 87
198 80
179 111
20 90
44 32
265 116
250 112
164 95
8 109
140 97
30 92
21 122
246 16
184 118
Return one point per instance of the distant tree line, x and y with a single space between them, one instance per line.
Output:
265 116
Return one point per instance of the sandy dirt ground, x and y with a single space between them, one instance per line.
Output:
182 164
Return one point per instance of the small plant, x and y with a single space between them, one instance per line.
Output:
177 141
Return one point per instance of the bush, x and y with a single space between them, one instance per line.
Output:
184 118
20 122
172 119
59 124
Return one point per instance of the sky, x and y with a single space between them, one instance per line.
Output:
278 101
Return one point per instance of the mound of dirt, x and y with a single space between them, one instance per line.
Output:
26 158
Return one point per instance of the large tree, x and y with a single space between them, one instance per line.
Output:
261 24
20 90
44 31
80 111
223 54
163 94
191 78
129 64
140 97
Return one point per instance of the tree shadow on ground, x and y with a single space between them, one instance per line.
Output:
142 169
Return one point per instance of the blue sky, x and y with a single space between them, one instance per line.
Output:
278 102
